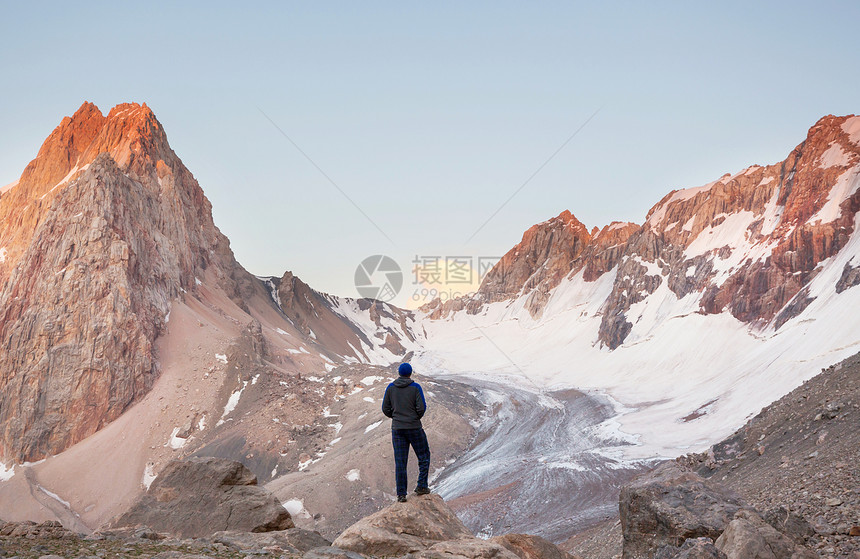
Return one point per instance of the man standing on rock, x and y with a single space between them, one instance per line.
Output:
404 403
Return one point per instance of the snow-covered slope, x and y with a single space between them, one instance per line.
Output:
347 330
728 297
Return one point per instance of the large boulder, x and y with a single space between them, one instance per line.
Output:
792 525
423 527
748 536
526 546
200 496
404 528
698 548
670 505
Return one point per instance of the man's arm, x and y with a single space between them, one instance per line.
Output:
387 408
420 403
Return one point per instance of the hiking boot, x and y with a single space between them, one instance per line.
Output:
401 498
422 490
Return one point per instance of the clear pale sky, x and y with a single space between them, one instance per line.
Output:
430 115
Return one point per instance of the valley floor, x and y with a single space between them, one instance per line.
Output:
547 463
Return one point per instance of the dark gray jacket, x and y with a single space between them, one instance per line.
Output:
404 403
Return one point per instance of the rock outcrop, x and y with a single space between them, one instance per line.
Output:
693 548
404 528
748 536
673 513
670 505
526 546
424 527
201 496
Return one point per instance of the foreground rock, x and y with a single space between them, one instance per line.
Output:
201 496
673 513
526 546
404 528
293 541
748 536
698 548
51 529
425 528
670 505
28 540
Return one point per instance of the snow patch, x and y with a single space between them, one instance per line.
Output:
370 380
688 226
3 253
353 475
371 400
232 402
845 187
175 442
835 156
618 225
149 475
221 357
54 496
6 472
852 128
372 426
296 507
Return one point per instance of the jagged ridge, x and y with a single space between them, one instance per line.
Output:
748 243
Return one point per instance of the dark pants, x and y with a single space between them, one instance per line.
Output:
401 439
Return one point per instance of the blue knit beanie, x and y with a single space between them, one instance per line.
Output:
405 369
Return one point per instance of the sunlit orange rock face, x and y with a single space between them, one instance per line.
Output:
104 228
789 217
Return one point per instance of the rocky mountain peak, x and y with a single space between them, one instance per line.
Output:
61 151
130 133
105 227
542 258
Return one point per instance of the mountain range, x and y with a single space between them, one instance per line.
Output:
131 335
